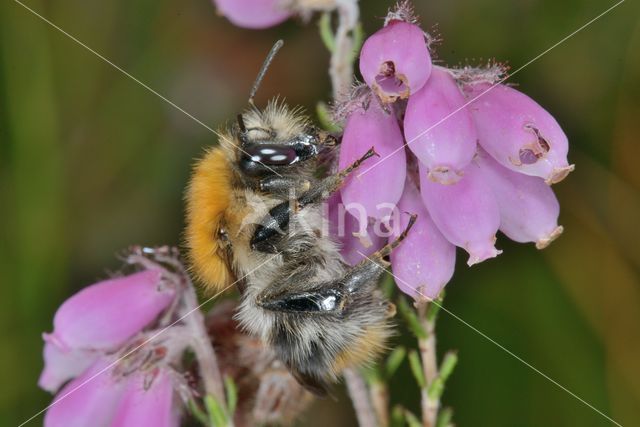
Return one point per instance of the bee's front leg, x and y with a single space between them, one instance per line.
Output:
284 187
324 188
275 224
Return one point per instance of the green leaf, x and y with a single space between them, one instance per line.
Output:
412 420
217 417
444 417
411 318
434 308
198 413
394 361
397 416
326 32
325 119
416 368
436 388
358 40
232 395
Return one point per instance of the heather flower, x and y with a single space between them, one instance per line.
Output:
254 14
528 208
88 400
395 61
519 133
148 399
425 261
439 129
466 212
101 317
375 184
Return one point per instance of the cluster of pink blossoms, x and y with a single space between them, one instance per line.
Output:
468 155
100 350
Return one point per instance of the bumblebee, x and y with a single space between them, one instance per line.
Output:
254 211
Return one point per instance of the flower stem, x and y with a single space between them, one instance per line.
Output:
359 394
427 346
341 63
188 313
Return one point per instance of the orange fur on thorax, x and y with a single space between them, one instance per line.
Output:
208 198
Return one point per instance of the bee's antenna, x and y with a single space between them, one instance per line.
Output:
263 70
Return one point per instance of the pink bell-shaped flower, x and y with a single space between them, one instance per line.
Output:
378 182
425 261
439 129
101 317
519 133
395 61
148 400
528 208
254 14
466 212
106 314
88 400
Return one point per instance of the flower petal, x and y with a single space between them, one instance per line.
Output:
466 212
89 400
439 129
395 61
62 364
356 235
106 314
148 400
254 14
519 133
424 262
528 208
386 173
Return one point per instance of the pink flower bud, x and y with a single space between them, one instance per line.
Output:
106 314
395 61
528 208
148 400
519 133
466 212
88 400
62 364
254 14
424 262
439 129
378 182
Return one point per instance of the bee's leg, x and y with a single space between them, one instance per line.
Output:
332 296
284 186
323 189
276 223
372 266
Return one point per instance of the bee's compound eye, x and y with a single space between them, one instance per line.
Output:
256 157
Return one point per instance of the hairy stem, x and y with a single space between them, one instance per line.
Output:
380 401
427 347
207 361
188 312
341 64
359 394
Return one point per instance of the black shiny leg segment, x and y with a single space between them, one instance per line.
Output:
275 224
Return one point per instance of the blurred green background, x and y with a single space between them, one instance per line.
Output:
91 162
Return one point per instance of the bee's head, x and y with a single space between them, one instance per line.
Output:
278 139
